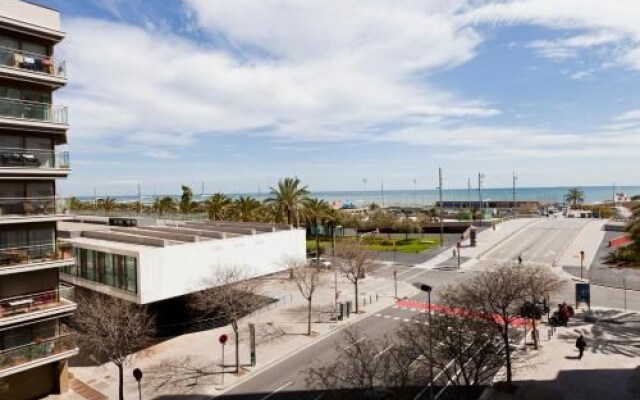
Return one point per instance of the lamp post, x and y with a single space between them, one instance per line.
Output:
335 268
427 288
137 374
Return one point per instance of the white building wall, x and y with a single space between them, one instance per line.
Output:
30 13
185 268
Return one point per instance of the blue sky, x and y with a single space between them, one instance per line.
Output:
239 93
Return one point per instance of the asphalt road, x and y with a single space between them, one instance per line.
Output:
286 379
544 241
541 242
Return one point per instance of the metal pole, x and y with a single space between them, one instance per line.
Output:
480 176
581 265
459 248
430 348
515 178
624 289
335 272
441 209
395 283
222 363
139 391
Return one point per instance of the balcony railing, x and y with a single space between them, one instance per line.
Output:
32 62
31 205
32 110
38 349
35 302
35 253
13 157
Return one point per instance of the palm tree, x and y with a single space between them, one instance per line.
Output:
246 208
289 198
217 206
163 205
186 205
574 196
315 211
107 204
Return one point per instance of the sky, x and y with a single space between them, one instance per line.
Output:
240 93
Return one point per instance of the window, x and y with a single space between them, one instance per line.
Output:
91 265
131 274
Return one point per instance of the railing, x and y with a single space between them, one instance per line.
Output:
38 349
32 110
32 62
35 253
34 302
32 205
12 157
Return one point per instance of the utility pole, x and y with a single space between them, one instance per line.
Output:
364 191
441 208
480 178
614 194
139 207
515 178
415 192
469 190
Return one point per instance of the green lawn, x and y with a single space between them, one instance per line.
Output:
412 245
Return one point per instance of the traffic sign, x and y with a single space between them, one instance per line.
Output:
223 339
137 374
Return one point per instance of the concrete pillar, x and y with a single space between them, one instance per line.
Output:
61 377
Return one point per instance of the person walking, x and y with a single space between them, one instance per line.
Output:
520 260
564 311
581 344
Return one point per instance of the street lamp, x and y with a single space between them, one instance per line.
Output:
335 267
137 374
427 288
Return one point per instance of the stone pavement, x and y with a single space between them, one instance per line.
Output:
190 364
608 370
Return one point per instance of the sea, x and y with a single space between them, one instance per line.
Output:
408 198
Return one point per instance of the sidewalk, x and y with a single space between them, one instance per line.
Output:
190 364
608 370
588 240
486 241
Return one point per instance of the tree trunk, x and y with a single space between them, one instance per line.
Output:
534 333
120 381
309 319
355 284
236 332
505 336
317 247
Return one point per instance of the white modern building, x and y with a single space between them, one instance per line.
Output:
147 264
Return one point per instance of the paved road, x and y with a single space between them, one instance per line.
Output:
541 242
544 241
286 379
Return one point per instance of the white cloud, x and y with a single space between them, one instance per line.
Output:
630 115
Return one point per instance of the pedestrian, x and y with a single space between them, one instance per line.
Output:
564 311
520 259
581 344
455 253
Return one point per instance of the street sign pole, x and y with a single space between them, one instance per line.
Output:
581 263
223 339
395 283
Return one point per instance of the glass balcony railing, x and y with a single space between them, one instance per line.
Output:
32 62
41 252
12 157
31 205
32 110
38 349
33 302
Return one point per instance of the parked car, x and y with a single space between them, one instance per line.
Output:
322 262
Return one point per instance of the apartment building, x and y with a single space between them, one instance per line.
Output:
35 344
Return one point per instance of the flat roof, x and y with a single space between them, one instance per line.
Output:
137 238
31 18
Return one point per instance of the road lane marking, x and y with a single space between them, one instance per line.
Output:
277 390
396 318
387 316
378 315
356 342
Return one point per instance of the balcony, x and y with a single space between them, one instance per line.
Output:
14 161
28 307
34 257
31 67
18 210
39 352
32 115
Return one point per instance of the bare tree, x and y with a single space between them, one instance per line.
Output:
464 350
365 369
540 282
231 297
112 329
307 279
353 259
497 295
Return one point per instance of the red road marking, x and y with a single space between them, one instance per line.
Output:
515 322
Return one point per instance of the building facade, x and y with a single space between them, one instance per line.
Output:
35 344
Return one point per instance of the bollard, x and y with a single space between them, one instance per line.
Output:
376 296
370 299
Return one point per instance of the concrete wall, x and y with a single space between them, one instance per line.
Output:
181 269
30 13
